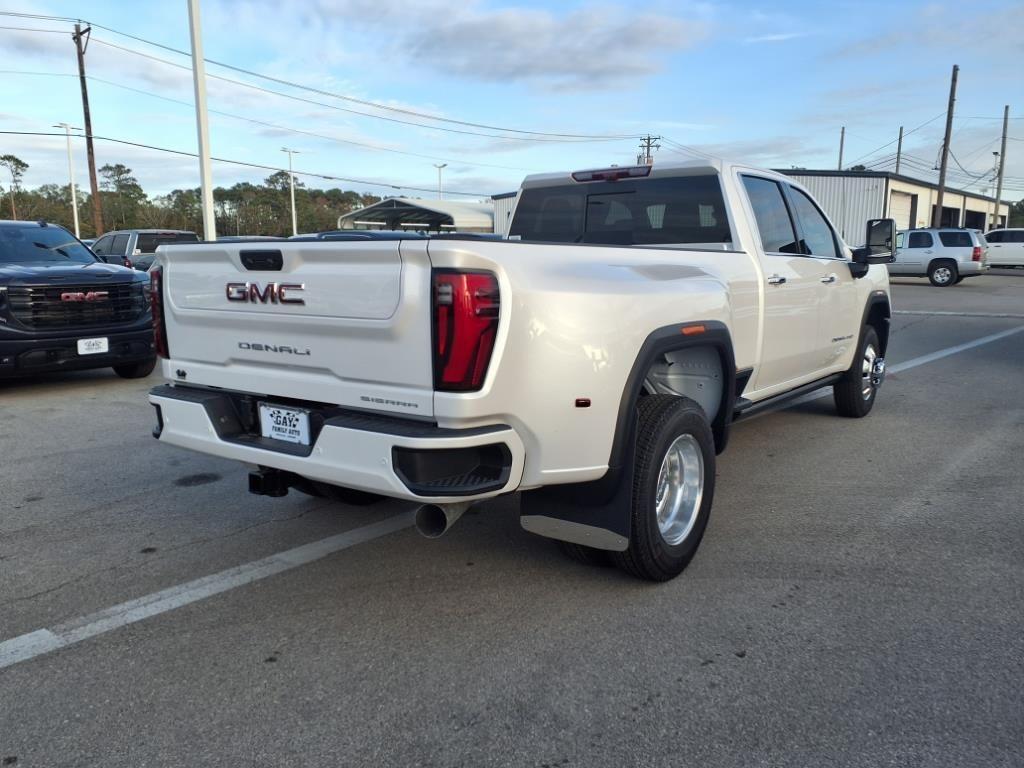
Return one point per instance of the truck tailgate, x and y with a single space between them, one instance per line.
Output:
339 323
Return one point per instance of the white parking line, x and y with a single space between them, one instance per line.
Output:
28 646
25 647
957 314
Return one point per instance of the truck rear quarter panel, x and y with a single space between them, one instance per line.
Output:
573 320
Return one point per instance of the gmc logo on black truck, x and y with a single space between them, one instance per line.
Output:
272 293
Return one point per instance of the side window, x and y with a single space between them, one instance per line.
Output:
772 216
146 242
120 245
900 240
995 237
920 240
1014 237
102 246
818 237
956 239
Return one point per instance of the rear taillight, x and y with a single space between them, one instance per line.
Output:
156 305
976 253
465 311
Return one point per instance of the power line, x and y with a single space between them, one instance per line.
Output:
331 94
265 124
335 107
260 166
905 134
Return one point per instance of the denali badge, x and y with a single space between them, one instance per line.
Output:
273 293
88 296
283 349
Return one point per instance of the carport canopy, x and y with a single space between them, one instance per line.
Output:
402 213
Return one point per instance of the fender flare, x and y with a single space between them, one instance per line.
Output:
597 513
878 299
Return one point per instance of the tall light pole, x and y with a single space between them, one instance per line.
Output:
291 186
439 167
71 174
202 121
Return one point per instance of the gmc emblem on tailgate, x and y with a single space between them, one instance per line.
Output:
271 293
88 296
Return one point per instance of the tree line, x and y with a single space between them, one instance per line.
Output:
242 209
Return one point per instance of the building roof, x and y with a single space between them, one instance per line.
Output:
883 175
393 212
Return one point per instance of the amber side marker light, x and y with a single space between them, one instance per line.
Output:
692 330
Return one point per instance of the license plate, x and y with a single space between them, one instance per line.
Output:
288 424
93 346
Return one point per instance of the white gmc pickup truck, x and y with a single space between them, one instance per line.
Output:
595 360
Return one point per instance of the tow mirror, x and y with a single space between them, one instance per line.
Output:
879 239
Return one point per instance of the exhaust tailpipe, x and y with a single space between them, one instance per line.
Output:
434 520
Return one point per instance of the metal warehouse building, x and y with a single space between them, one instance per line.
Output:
850 198
503 205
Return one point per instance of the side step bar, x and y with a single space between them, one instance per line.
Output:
745 408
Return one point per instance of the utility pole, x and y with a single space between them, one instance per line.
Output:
1002 167
899 151
937 215
202 121
71 174
842 141
439 167
647 143
291 186
81 38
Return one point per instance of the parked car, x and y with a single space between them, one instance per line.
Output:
61 308
136 247
1006 247
945 256
597 378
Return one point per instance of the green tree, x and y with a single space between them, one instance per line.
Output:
124 194
1016 218
16 167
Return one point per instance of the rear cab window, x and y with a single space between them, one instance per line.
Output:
681 210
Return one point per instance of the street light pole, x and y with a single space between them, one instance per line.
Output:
202 121
71 175
439 167
291 186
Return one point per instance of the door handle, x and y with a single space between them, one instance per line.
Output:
829 278
776 280
927 251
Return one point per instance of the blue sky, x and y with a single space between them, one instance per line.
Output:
768 83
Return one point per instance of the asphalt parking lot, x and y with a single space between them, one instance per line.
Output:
858 598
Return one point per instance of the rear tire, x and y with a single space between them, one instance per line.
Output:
586 555
673 487
943 273
855 392
135 370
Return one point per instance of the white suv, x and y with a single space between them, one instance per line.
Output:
1007 247
945 256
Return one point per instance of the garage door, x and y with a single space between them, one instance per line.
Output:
900 204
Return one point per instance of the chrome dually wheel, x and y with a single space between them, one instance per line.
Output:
680 489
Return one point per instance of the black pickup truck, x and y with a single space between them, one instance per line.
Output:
61 308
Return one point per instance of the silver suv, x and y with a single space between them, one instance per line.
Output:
137 247
945 256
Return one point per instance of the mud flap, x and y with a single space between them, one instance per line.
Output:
595 514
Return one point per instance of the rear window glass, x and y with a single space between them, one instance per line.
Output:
686 210
148 242
956 239
20 244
